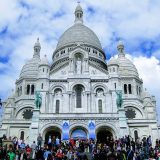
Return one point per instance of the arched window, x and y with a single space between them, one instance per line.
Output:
99 92
78 90
18 91
43 69
113 69
28 89
58 92
100 106
22 135
125 88
139 90
115 85
32 89
42 86
135 135
130 89
57 106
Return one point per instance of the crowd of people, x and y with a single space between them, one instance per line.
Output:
125 148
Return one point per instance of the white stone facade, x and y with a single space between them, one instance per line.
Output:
77 87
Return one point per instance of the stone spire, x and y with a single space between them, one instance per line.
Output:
78 14
120 48
37 48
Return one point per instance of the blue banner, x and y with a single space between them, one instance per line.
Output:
91 129
79 134
65 130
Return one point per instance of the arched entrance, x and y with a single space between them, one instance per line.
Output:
54 132
104 134
78 133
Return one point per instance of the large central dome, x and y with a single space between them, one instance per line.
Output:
79 33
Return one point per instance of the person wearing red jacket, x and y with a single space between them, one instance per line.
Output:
59 154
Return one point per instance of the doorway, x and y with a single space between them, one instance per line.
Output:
54 132
104 135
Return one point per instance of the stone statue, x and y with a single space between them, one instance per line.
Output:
38 99
78 66
119 99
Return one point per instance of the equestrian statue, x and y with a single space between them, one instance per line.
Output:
119 99
38 99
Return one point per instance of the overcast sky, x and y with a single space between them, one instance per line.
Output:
136 22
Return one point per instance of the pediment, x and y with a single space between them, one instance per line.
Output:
60 72
97 71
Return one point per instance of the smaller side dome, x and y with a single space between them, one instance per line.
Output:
44 61
112 61
126 67
30 69
145 94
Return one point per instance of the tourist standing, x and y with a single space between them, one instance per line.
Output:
33 148
11 155
39 141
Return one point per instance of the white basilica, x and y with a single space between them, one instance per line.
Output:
79 93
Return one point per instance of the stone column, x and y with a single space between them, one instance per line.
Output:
69 100
93 102
48 102
114 105
124 130
89 102
52 109
34 128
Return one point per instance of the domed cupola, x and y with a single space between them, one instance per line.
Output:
30 69
78 34
79 38
113 66
126 67
44 61
44 68
146 95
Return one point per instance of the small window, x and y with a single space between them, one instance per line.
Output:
113 69
28 89
79 90
57 106
42 86
18 91
135 135
137 90
32 89
100 106
130 89
125 88
115 85
22 135
43 69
